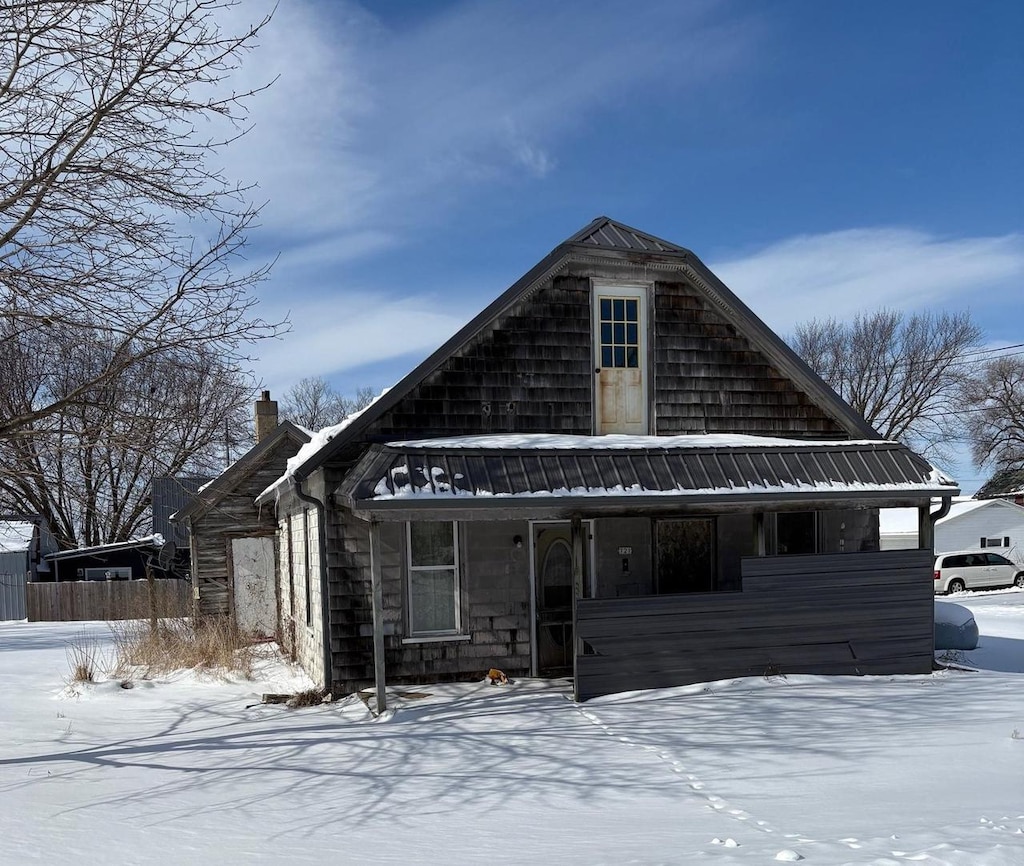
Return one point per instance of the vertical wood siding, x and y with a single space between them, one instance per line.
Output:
13 577
857 613
83 600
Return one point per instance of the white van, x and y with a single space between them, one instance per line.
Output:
975 569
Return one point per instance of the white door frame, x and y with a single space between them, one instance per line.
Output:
623 289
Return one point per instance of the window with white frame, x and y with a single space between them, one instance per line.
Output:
109 572
433 578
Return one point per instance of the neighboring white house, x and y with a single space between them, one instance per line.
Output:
971 524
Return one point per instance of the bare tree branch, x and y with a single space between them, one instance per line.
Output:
113 216
313 403
995 422
88 467
903 374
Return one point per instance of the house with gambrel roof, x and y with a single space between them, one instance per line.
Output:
615 471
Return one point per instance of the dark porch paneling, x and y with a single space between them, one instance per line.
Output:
847 613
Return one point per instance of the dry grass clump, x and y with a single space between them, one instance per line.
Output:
212 644
308 698
84 658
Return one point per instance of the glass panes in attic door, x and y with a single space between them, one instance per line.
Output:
620 332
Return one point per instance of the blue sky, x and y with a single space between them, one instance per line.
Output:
823 158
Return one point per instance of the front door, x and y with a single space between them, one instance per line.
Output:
620 350
552 545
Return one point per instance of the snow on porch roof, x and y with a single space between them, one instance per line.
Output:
604 471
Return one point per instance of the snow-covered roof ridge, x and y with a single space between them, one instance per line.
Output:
561 441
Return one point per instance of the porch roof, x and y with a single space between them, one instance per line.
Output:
549 475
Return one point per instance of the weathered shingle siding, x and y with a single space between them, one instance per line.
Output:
495 597
712 379
531 372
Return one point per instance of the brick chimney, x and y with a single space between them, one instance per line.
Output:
266 416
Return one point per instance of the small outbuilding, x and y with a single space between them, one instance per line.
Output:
122 560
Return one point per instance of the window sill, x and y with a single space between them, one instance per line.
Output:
438 638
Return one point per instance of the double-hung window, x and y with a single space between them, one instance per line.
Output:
433 579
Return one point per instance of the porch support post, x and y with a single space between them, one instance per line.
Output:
576 532
925 528
377 584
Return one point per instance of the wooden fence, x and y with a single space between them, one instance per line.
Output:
73 601
846 613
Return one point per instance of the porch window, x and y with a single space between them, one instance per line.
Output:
433 578
796 532
685 555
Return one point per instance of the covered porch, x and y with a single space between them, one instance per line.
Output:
657 561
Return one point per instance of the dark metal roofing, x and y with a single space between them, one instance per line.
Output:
390 475
608 234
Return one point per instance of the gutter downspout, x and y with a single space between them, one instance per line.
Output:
926 520
325 598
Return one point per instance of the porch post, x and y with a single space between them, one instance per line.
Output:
377 584
925 528
576 532
759 539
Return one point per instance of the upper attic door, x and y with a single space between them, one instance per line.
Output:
620 360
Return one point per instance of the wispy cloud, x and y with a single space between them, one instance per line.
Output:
332 334
374 130
841 273
374 127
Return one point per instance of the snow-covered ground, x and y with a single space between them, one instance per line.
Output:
883 770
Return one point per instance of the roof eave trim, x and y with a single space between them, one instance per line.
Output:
531 500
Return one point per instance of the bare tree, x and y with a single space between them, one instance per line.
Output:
994 416
313 403
114 217
87 467
902 373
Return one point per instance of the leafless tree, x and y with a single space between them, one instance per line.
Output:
994 416
902 373
87 467
314 403
115 219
